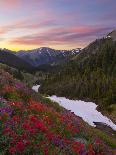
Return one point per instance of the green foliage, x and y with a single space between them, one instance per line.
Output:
89 76
11 96
50 103
108 140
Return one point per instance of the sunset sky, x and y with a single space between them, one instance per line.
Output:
59 24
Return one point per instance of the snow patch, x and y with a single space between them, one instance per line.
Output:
86 110
35 88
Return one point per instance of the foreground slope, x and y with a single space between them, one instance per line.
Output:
31 124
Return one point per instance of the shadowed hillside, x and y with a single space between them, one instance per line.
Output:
91 75
7 57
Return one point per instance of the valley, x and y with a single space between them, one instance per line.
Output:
57 77
70 103
90 76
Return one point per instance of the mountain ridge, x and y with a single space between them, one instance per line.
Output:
43 56
12 60
89 76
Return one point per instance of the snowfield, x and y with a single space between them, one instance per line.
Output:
86 110
35 88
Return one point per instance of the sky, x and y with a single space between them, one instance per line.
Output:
58 24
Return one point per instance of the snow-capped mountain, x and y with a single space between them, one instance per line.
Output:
37 59
44 55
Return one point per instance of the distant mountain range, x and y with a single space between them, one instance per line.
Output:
35 59
44 55
89 76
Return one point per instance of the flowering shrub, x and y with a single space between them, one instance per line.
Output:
31 127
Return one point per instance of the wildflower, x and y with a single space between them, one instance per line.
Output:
77 147
33 118
98 141
0 117
26 126
41 126
23 136
90 150
27 142
12 150
46 151
6 111
32 131
6 131
16 118
20 147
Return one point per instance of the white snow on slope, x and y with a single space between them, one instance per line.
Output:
86 110
35 88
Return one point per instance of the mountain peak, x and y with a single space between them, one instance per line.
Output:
46 55
112 35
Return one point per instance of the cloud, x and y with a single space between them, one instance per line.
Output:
9 4
23 4
62 35
4 30
34 22
27 24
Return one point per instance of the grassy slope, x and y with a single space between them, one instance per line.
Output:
31 123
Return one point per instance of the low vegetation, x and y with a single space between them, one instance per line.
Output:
31 124
89 76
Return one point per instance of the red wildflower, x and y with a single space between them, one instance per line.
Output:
16 118
16 104
90 150
24 136
66 141
41 126
98 141
12 150
20 147
47 120
26 126
6 131
46 151
27 142
75 130
49 136
9 89
32 131
77 147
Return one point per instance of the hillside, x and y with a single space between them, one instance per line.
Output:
31 123
23 76
8 57
91 75
112 35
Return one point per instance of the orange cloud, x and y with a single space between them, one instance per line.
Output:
62 35
26 24
9 3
